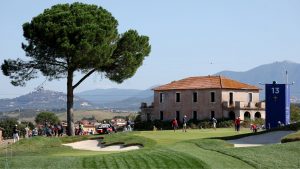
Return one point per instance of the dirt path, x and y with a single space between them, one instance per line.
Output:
261 139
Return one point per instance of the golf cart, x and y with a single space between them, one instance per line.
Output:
104 129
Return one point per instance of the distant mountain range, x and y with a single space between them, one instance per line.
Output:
130 99
267 74
42 100
102 96
121 99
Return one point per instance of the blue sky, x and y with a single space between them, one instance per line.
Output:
188 38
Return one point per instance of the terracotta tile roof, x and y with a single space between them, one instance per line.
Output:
206 82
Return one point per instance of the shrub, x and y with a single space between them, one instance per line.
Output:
259 121
193 126
29 124
293 126
295 112
8 124
163 124
225 124
143 125
222 123
148 125
247 123
205 124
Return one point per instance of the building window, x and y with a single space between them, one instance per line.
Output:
195 115
230 98
231 115
178 116
212 114
247 116
195 97
257 115
177 97
250 97
161 115
212 96
161 97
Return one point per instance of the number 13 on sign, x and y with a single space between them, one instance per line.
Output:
275 90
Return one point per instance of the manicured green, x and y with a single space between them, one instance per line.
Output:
162 149
167 137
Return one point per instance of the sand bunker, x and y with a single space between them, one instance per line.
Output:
261 139
95 145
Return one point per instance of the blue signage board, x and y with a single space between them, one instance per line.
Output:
277 105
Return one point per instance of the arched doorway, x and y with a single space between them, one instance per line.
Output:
247 116
231 115
257 115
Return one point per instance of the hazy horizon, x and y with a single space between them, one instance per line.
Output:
195 38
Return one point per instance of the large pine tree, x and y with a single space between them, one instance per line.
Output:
69 38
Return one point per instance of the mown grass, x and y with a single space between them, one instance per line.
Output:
162 149
167 137
162 158
270 156
46 155
291 137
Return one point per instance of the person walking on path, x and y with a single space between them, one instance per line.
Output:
128 123
175 124
81 131
16 133
27 132
214 121
237 124
60 130
253 127
184 121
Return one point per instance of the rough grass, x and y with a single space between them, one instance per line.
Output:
162 149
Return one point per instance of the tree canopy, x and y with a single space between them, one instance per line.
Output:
46 117
77 37
69 38
295 112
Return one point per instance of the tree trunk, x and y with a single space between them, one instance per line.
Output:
70 96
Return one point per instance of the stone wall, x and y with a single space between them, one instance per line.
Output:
187 106
203 106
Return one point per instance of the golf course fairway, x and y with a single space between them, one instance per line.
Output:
203 148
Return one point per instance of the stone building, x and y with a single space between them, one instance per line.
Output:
203 98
